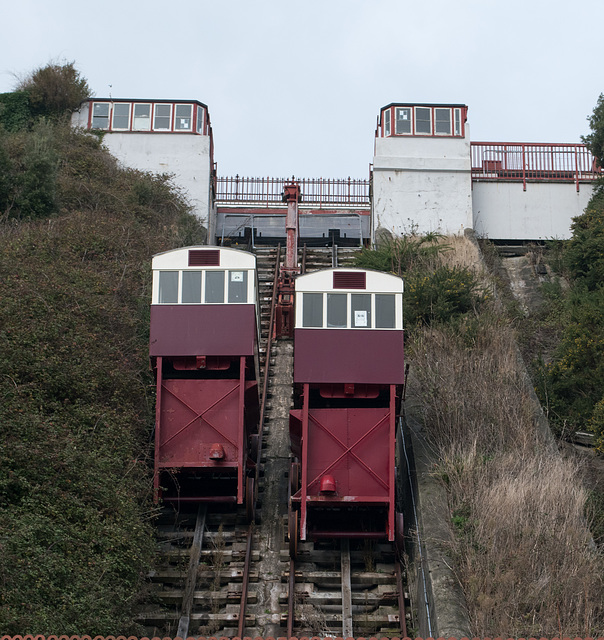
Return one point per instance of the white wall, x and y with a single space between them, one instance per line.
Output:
503 211
422 184
185 155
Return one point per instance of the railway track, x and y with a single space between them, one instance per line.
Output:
217 574
346 588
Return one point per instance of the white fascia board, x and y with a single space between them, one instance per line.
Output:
376 282
229 259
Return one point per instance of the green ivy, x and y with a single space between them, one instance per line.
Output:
441 296
15 112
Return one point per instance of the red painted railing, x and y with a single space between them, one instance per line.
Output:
529 162
319 192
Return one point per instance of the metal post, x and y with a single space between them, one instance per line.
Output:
158 368
303 492
291 194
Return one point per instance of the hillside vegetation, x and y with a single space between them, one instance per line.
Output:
520 537
572 383
77 408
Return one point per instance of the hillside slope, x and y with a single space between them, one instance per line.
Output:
76 414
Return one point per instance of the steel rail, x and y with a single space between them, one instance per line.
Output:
346 589
402 614
303 263
291 598
244 586
422 568
267 362
195 554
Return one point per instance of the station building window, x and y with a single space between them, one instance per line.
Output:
100 115
121 116
457 121
387 117
442 122
183 118
147 116
162 117
142 117
403 120
422 120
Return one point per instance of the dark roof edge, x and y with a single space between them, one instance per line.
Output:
155 100
424 104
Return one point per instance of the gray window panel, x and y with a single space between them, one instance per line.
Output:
403 121
168 287
360 310
312 310
387 116
100 115
423 120
191 287
215 286
238 286
385 316
442 121
336 310
457 122
121 116
182 117
142 117
162 116
199 119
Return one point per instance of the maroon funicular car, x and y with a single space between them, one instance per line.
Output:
348 377
204 351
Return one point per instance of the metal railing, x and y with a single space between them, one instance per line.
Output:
318 192
533 162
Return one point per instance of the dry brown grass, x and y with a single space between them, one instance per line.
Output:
525 556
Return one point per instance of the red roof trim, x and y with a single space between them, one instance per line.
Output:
349 280
204 257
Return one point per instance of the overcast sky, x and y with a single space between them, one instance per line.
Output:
294 88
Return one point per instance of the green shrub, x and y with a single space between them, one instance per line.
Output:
399 255
584 253
596 426
55 89
572 383
441 296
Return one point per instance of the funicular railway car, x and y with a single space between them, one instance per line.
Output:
348 377
204 351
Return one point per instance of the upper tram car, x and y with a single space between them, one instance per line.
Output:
204 350
348 377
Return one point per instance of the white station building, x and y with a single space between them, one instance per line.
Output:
427 176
